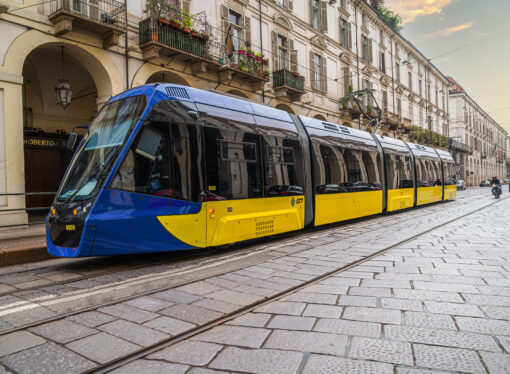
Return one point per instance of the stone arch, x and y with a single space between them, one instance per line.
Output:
282 21
165 76
320 117
146 71
385 133
347 124
97 62
286 107
238 93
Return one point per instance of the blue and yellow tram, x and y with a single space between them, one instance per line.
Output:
164 167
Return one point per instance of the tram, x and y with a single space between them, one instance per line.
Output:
164 167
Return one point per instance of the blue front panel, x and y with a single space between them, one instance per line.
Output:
127 223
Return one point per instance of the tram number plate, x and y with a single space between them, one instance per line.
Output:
70 227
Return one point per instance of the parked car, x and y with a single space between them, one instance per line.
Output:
461 185
485 183
281 190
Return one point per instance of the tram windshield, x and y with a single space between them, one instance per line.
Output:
100 147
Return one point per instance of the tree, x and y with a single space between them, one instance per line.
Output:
393 19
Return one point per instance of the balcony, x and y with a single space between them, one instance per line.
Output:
458 146
160 39
389 120
286 83
107 18
405 125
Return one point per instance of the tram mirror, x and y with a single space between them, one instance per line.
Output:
193 114
71 141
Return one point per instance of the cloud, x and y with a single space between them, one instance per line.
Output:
412 9
448 31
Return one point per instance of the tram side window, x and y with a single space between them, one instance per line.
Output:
282 160
232 164
399 171
163 162
449 174
428 173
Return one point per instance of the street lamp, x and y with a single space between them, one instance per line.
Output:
63 89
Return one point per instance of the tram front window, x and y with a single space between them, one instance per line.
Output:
100 147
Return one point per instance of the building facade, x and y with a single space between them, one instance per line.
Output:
314 53
486 139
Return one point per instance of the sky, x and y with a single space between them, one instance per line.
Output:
439 27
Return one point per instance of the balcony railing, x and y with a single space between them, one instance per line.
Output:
106 17
285 78
455 144
389 120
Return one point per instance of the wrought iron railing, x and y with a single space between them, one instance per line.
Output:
109 12
287 78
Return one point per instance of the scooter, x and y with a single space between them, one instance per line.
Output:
496 190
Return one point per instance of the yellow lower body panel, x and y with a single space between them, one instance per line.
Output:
188 228
427 195
232 221
331 208
400 199
450 192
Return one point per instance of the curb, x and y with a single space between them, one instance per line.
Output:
22 255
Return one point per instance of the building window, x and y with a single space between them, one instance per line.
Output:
430 123
343 4
411 111
364 20
381 37
283 53
382 62
421 117
437 98
397 71
345 34
428 92
320 15
410 79
239 26
366 48
399 107
420 86
318 64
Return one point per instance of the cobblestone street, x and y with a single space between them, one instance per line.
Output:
427 289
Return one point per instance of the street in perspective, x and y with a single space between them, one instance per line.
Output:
254 186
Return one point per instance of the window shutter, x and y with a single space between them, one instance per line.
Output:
290 5
247 31
224 12
347 80
370 56
349 35
274 50
186 6
324 16
312 71
324 75
293 60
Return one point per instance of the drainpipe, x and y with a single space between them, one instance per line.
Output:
261 46
357 50
392 75
126 46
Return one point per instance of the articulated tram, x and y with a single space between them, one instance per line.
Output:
164 167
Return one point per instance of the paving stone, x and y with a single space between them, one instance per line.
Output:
176 297
149 303
323 311
401 304
337 365
370 291
102 347
235 335
251 320
455 309
291 323
199 288
285 281
282 307
312 298
486 300
447 359
340 281
243 288
496 312
261 361
497 363
91 319
237 298
328 289
27 316
133 332
205 371
381 350
427 295
191 313
458 279
129 313
169 325
47 358
216 305
304 341
439 321
373 315
63 331
18 341
348 300
368 329
493 290
188 352
437 336
402 370
151 367
505 342
221 282
386 283
485 326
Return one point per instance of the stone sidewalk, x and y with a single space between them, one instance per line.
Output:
439 303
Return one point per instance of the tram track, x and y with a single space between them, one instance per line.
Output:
141 353
237 260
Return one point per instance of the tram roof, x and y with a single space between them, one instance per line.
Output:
444 155
392 143
422 150
338 131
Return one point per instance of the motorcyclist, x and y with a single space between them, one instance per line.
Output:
495 181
